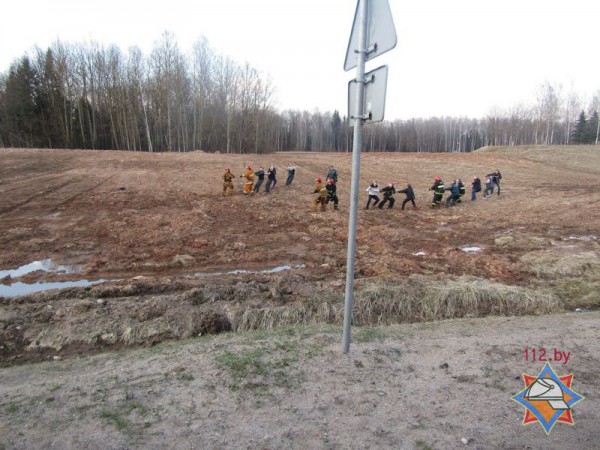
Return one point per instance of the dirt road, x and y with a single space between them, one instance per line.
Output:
411 386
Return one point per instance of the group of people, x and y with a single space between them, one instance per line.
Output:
249 186
326 192
388 195
457 189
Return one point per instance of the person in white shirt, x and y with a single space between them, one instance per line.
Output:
373 190
291 172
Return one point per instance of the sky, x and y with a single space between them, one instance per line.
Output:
460 58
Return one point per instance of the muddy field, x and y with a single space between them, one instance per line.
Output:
146 250
182 260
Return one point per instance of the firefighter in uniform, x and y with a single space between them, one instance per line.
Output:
438 192
228 181
321 196
249 176
332 193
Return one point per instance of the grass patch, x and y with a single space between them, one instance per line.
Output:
115 418
367 334
180 373
12 408
243 365
272 364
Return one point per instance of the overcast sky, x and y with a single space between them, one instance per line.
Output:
453 57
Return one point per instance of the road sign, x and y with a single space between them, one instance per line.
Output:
373 33
381 33
374 100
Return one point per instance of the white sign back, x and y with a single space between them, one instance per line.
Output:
381 33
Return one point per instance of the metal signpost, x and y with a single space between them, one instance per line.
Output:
373 33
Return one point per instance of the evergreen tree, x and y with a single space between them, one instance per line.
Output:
21 102
336 130
580 130
592 129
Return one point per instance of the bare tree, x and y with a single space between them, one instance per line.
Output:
203 59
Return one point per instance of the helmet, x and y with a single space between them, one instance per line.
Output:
391 184
437 179
318 179
248 166
329 180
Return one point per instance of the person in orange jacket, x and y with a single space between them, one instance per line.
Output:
249 176
228 178
321 197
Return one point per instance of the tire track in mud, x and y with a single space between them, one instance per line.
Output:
80 193
48 177
41 194
52 190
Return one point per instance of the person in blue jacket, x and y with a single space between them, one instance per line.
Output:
454 189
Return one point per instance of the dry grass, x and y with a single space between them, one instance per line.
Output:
585 158
420 299
552 266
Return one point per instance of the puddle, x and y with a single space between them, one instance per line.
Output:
17 289
244 271
471 249
582 238
45 265
8 289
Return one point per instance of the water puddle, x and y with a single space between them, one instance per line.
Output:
10 289
18 288
46 265
582 238
473 249
244 271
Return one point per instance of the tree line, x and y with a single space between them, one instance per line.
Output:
86 96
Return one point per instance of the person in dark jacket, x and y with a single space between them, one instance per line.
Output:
260 174
475 188
495 176
388 196
410 196
291 172
462 189
331 193
332 173
438 192
454 193
271 178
